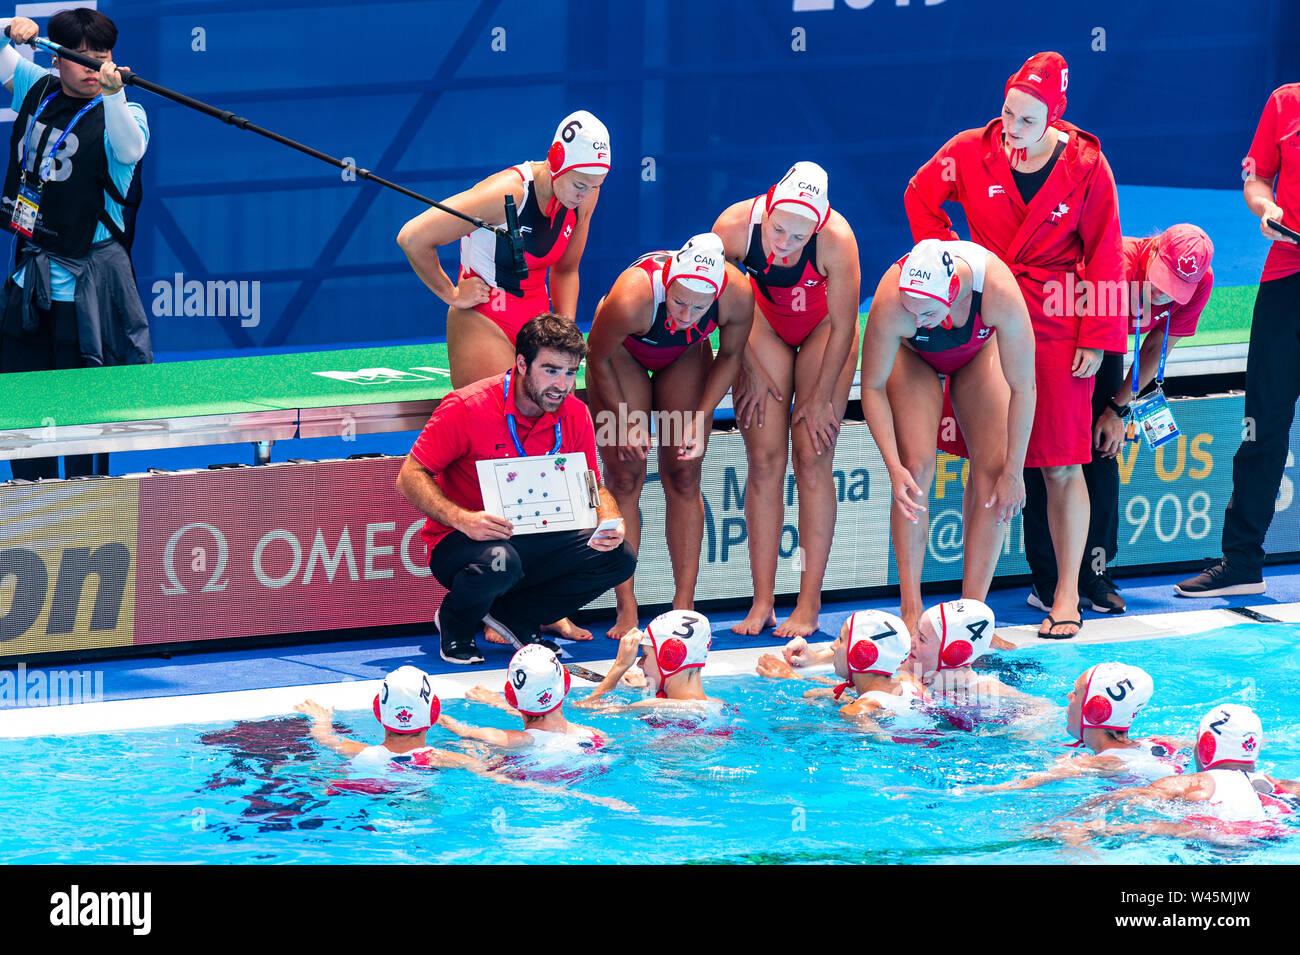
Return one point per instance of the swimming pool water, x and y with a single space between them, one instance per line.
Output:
776 778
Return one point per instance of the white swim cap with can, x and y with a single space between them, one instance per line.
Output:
804 190
965 631
1229 733
679 639
929 271
581 142
879 642
536 683
1113 695
406 702
700 265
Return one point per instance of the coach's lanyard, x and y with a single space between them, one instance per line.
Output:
44 172
1137 360
514 432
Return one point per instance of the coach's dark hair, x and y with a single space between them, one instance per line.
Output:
549 330
70 27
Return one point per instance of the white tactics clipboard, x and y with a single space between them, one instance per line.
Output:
541 493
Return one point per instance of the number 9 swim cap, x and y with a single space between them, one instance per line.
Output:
535 681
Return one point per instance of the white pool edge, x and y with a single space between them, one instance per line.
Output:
357 695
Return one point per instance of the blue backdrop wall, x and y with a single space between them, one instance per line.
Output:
707 103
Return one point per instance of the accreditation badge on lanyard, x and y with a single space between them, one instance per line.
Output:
27 204
1152 414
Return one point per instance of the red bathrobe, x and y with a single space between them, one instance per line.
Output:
1069 232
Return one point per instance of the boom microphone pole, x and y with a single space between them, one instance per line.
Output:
510 231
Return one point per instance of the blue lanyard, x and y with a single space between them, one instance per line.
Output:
43 174
1137 360
514 433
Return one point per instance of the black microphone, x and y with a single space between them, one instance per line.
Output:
519 270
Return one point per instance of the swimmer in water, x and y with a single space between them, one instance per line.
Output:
867 655
1103 704
535 689
406 707
1228 796
676 647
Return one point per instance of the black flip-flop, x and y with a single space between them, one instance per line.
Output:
1052 622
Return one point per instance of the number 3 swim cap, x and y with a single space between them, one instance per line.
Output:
679 639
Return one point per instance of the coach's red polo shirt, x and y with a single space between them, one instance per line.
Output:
1275 151
469 425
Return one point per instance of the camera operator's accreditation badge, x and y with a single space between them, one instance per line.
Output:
26 207
1155 418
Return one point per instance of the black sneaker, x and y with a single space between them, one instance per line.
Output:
1221 580
520 636
1035 598
1098 591
463 652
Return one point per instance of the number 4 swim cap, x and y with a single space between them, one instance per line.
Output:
581 142
535 681
964 629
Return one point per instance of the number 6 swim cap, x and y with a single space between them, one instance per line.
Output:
581 142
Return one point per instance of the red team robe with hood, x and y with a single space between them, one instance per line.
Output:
1070 231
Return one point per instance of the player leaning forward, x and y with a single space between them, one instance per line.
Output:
514 582
1039 194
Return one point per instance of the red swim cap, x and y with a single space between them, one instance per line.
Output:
1045 77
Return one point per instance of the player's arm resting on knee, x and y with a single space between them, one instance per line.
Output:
628 647
420 237
321 726
623 312
735 319
838 251
927 191
1005 310
507 739
563 280
883 337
